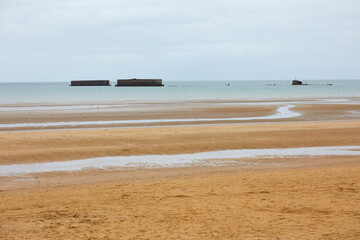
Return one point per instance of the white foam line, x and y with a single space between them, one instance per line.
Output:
47 108
215 158
282 112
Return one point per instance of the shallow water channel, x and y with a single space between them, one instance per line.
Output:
282 112
214 158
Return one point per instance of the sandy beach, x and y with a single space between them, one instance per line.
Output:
179 120
280 198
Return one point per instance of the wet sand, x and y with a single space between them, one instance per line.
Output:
292 198
218 112
61 145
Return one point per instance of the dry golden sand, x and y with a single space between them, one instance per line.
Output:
304 198
304 203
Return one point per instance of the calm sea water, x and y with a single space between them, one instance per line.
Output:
57 92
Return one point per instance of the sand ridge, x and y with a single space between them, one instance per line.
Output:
56 145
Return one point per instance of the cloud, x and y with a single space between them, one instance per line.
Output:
159 34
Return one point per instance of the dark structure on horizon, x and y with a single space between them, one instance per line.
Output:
90 83
296 82
139 83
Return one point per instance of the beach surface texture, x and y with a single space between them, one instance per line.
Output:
221 169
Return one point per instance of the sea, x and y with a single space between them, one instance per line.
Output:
61 92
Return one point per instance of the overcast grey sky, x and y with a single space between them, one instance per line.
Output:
48 40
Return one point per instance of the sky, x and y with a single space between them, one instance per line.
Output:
52 40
